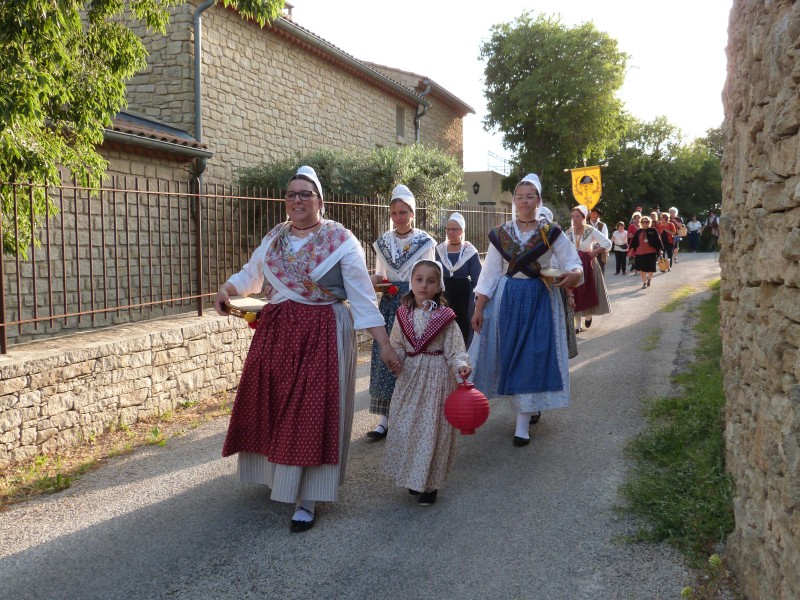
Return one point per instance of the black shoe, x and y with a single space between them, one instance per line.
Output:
376 434
578 330
588 323
427 498
535 417
413 492
301 526
519 441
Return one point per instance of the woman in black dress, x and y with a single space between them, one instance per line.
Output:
462 266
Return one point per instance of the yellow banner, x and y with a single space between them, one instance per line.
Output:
586 185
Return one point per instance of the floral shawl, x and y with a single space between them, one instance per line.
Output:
293 269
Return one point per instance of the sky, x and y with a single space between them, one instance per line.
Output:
677 63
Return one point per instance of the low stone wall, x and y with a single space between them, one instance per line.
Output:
55 394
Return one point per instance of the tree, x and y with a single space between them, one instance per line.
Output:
651 165
63 70
551 92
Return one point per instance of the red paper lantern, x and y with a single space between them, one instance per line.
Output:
466 408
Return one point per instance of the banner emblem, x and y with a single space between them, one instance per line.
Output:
586 185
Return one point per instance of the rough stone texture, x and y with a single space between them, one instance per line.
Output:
52 399
760 308
267 95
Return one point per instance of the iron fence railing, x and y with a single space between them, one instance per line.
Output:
143 249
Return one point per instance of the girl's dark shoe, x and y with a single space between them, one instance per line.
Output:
521 441
588 323
427 498
535 417
413 492
378 433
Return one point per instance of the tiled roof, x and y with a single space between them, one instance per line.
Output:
147 128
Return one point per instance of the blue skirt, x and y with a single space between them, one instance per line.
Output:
381 379
521 353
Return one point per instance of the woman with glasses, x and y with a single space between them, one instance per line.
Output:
519 350
293 413
462 267
396 252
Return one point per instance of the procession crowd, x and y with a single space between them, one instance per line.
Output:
509 324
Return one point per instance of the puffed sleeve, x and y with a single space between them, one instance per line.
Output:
491 272
602 239
565 256
397 340
360 293
250 280
454 350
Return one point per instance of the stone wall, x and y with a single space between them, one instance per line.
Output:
52 398
266 96
760 308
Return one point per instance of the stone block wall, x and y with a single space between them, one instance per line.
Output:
265 96
56 394
760 308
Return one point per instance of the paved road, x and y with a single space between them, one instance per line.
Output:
534 522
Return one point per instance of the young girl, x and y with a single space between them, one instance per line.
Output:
421 444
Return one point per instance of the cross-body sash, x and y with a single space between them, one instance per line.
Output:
522 258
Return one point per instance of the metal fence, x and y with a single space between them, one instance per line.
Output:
143 249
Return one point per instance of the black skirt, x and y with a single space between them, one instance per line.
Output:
458 293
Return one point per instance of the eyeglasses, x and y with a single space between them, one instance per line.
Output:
303 195
531 197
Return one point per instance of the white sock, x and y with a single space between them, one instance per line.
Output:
384 422
577 322
523 422
302 515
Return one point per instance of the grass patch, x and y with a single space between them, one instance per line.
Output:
678 298
47 474
679 483
650 340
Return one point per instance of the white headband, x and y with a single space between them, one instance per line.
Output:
401 192
458 219
306 172
533 179
438 265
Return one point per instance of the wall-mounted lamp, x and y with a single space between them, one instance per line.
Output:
476 187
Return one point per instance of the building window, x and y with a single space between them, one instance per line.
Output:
401 124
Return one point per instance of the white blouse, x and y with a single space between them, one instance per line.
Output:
562 255
587 242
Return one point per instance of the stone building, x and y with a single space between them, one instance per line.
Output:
760 301
266 93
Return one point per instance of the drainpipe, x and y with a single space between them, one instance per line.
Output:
420 114
200 161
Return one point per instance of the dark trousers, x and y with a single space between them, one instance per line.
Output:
694 238
621 257
668 252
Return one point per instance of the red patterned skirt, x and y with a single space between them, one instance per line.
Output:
287 404
586 293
